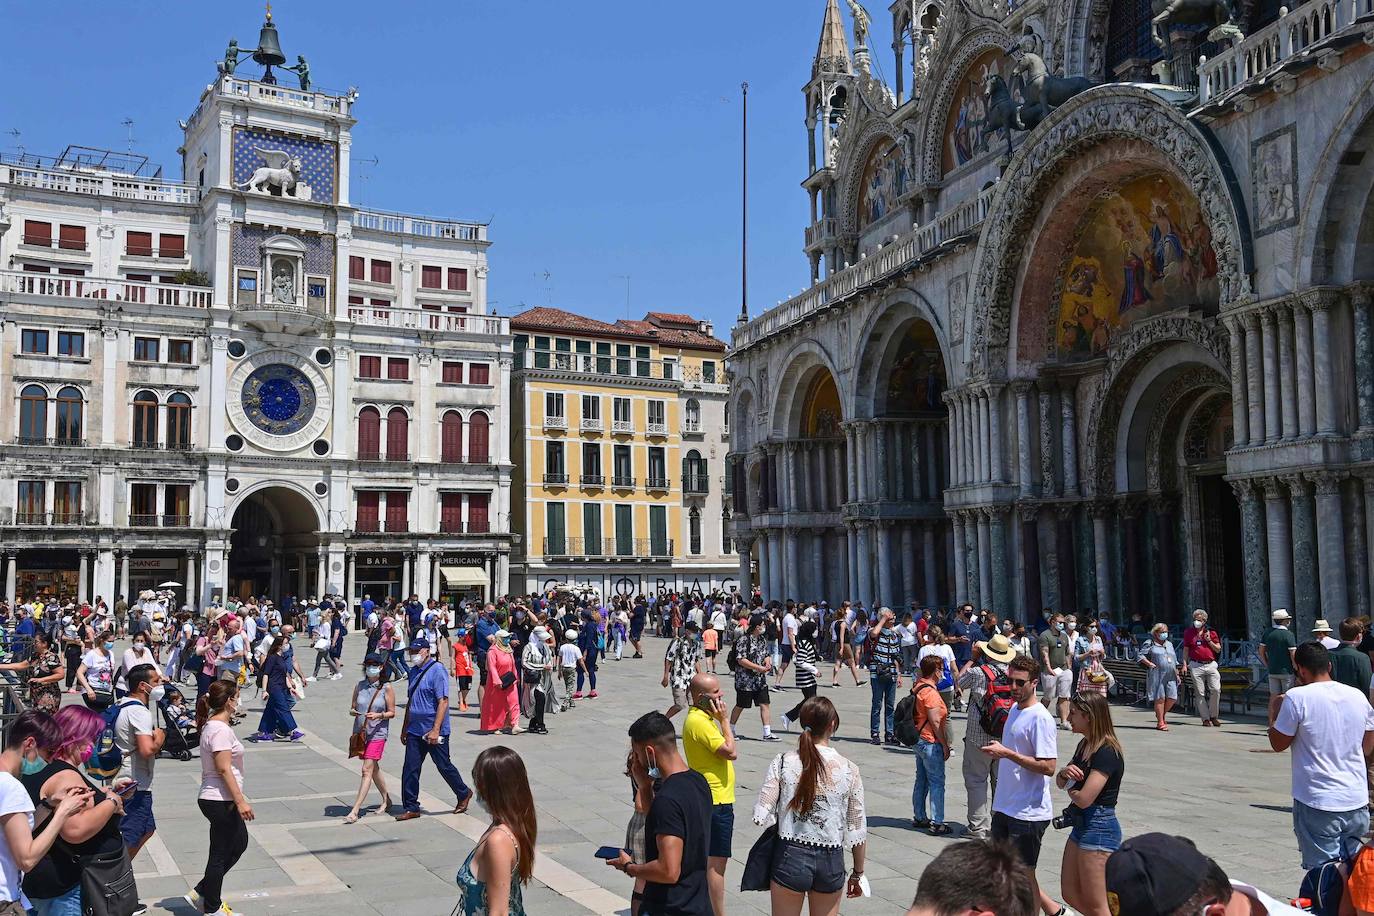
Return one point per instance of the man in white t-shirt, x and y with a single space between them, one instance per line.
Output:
1026 758
1330 728
790 625
140 740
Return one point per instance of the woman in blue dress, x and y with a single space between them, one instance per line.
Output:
490 880
1161 682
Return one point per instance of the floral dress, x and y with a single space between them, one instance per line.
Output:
47 697
473 892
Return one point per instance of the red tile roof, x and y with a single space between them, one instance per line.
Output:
666 329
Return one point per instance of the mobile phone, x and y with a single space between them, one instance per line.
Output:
609 852
706 704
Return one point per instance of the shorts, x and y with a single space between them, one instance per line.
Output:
1280 683
1023 836
1056 686
443 631
787 654
374 749
482 670
1097 830
711 653
808 868
636 631
681 699
744 699
465 682
722 830
138 822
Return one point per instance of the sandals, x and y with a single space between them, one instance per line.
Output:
352 818
940 830
1161 728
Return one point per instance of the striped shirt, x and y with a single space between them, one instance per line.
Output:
885 653
806 655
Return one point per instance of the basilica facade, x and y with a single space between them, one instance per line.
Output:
1088 322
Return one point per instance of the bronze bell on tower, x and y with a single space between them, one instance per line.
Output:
269 51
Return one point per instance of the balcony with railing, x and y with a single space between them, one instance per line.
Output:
382 456
592 480
691 427
143 520
622 483
61 286
657 485
555 479
365 525
54 441
409 319
423 226
622 427
609 548
1263 54
49 519
398 526
457 526
555 422
915 245
696 483
822 230
28 172
283 96
592 425
606 368
657 428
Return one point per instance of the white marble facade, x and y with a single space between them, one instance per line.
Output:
1145 329
244 383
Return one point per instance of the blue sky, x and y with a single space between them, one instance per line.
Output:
600 138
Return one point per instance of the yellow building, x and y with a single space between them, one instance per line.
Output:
619 440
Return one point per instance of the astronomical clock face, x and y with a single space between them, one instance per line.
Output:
278 399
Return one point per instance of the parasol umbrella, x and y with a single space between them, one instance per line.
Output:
170 585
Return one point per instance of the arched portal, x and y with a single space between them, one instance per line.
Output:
275 549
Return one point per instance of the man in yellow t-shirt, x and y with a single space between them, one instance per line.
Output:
708 743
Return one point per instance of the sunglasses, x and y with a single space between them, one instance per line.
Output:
1017 682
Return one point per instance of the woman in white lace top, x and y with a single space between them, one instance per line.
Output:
817 798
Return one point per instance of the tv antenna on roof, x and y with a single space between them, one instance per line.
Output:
14 132
364 176
129 127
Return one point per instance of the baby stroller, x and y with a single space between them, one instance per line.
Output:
181 743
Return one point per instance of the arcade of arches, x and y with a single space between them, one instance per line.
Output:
275 548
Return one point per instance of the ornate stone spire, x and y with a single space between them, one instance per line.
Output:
832 54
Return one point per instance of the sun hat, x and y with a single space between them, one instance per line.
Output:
1321 626
1282 614
998 648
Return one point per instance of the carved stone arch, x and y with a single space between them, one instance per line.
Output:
1175 403
743 400
884 327
951 65
1128 356
851 166
1095 117
1078 39
796 367
1325 224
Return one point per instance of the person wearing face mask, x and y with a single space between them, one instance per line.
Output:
221 797
277 720
96 674
1056 675
1162 678
137 654
373 707
53 885
752 664
1202 645
140 741
425 731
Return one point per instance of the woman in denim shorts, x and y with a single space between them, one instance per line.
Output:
817 798
1093 780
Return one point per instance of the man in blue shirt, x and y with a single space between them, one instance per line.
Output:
426 731
413 611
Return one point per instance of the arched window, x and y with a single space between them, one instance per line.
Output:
451 437
69 415
693 473
369 434
479 438
693 416
179 420
694 531
145 420
726 427
397 434
725 545
33 414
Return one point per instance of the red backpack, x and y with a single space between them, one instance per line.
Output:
997 702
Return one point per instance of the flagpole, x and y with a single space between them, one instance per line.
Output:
744 209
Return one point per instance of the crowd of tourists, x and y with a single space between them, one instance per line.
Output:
82 758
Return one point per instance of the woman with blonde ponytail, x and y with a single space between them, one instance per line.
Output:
817 799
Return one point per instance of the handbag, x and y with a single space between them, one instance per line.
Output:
508 680
107 884
321 644
758 867
357 742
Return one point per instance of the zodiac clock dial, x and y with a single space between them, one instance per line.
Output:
278 399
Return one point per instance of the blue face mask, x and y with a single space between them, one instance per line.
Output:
29 767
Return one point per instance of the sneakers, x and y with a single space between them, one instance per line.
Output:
891 741
786 723
578 695
591 695
310 680
874 739
296 735
770 737
335 676
192 897
262 736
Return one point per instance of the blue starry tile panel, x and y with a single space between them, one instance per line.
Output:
246 243
318 159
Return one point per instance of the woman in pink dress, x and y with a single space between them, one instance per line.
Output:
501 700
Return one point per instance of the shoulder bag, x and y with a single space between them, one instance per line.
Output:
357 742
758 867
107 884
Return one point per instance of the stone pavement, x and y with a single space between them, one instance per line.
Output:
1222 788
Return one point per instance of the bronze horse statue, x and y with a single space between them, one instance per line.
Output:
1043 91
1001 108
1169 13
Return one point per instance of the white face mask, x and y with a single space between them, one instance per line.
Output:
1198 624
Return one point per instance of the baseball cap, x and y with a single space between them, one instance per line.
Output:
419 642
1154 874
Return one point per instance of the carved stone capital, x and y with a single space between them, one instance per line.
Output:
1244 490
1328 483
1298 486
1028 512
1319 300
1272 487
1102 508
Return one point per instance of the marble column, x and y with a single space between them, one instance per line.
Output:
407 572
1069 431
123 576
918 490
952 411
908 564
972 564
1023 438
882 459
1321 303
961 562
817 567
931 578
842 587
789 474
12 575
851 592
865 570
350 578
1360 305
970 438
792 576
1257 609
1254 377
980 403
1240 410
1030 560
985 583
83 575
1102 564
994 402
1367 484
1278 543
1355 548
765 583
936 453
745 546
1164 508
1047 437
997 560
1307 405
1305 595
193 580
1066 555
1331 544
1128 521
1287 372
883 592
1272 418
852 464
777 570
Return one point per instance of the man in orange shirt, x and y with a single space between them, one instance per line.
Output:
932 749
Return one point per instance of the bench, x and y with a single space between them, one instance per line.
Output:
1236 687
1130 678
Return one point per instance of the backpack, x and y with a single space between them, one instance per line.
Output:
904 719
1323 887
107 757
732 660
996 703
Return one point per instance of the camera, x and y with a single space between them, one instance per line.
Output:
1071 816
